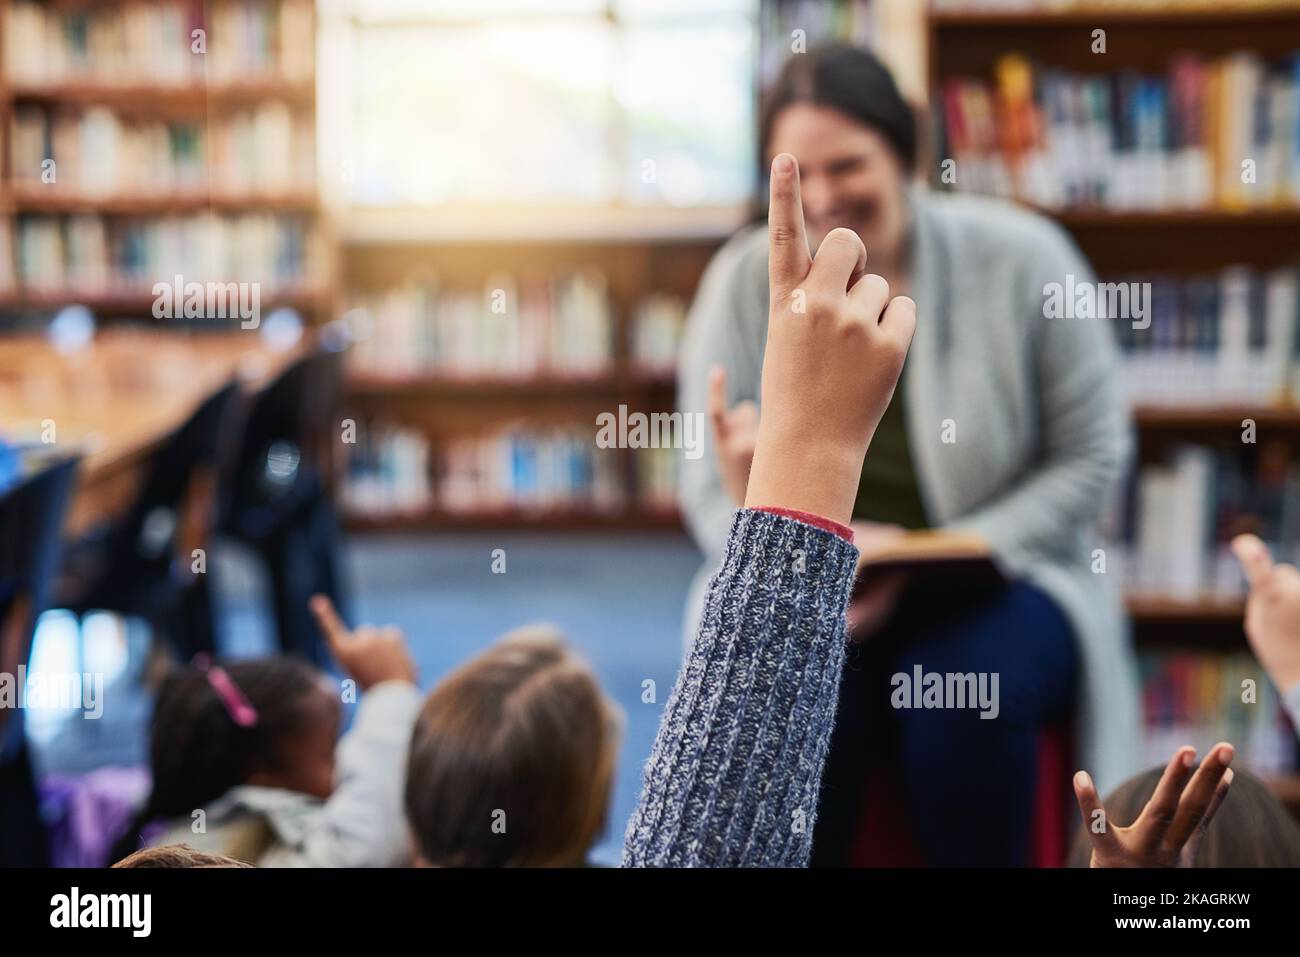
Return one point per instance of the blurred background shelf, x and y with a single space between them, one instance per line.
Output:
534 520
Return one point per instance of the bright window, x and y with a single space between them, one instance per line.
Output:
569 102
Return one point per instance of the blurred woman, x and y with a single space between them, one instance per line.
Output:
1005 424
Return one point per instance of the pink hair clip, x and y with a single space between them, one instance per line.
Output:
238 707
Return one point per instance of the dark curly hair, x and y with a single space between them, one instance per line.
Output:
197 752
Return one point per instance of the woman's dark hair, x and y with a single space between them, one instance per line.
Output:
849 80
1251 828
197 752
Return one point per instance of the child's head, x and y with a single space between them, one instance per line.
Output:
177 855
512 758
202 745
1250 829
268 721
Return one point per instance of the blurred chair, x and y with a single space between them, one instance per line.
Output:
144 563
31 520
282 494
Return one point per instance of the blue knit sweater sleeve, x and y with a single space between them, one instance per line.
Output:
737 763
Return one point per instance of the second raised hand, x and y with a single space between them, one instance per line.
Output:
835 347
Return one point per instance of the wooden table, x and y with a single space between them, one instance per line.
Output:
117 400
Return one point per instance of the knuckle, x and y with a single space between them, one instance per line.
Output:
845 236
781 235
877 283
821 304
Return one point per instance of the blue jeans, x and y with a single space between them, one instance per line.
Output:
968 782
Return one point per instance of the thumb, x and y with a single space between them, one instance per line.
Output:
1254 557
328 620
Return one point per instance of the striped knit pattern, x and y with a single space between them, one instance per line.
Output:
734 774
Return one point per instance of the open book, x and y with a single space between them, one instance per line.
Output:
934 553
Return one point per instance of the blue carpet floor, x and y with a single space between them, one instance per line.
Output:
618 599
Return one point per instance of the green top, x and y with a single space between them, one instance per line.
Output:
888 491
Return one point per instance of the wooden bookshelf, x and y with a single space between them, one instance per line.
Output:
1137 36
193 101
522 520
1175 241
166 100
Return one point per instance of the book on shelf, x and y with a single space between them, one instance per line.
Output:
854 21
92 255
1201 698
657 471
521 469
513 327
265 150
656 333
388 472
156 43
1211 340
1168 531
1219 133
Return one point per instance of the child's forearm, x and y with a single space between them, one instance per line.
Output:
736 767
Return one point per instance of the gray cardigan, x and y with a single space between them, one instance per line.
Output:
737 763
1042 434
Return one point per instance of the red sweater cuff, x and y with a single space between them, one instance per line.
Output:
825 524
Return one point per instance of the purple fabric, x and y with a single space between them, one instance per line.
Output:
86 813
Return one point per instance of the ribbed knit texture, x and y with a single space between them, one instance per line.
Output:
734 774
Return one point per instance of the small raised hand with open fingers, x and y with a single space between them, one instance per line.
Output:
836 342
1169 830
371 655
1272 612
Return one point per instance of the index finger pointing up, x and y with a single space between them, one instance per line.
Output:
788 259
328 620
1254 557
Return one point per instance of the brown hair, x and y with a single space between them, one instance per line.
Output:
1251 828
512 758
177 855
850 80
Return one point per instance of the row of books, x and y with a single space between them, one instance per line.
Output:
1219 133
522 468
1208 340
1169 530
395 470
168 42
262 151
1197 699
793 26
94 255
511 327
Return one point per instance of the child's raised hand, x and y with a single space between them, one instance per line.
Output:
735 434
835 347
1170 827
1272 611
370 655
